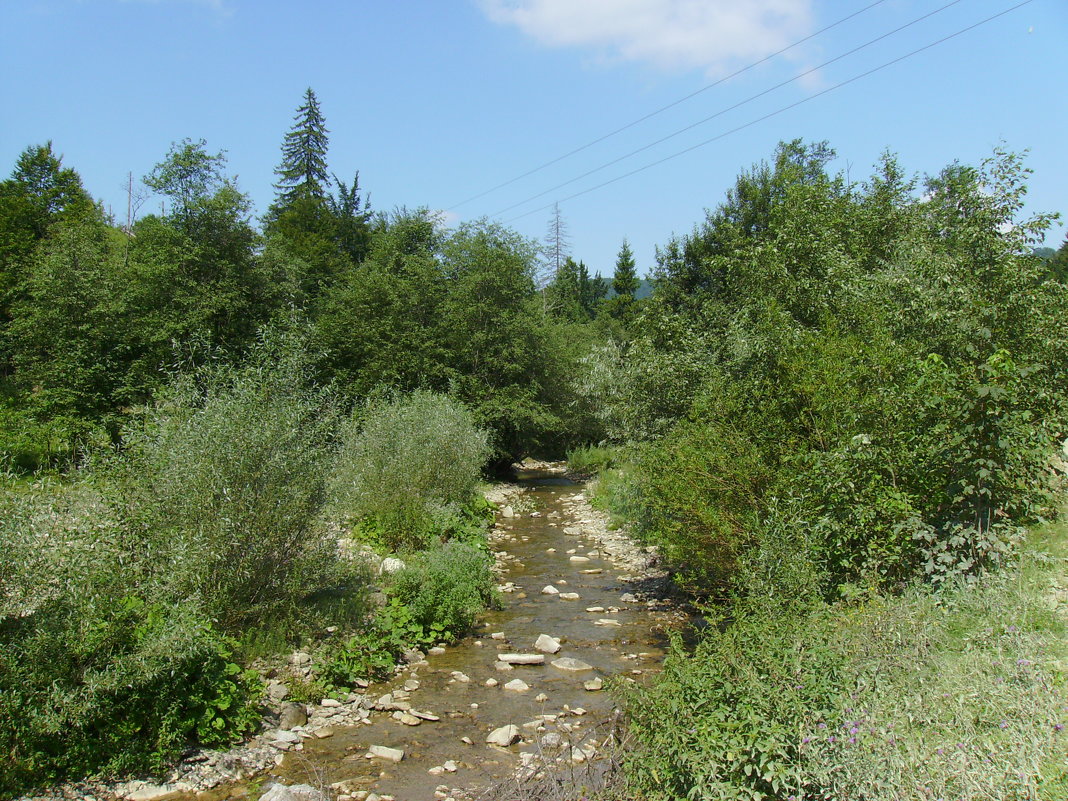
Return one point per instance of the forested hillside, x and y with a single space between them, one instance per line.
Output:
835 416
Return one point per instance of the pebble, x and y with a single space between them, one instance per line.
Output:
547 644
569 596
460 676
594 608
504 736
492 682
550 590
497 635
385 752
411 685
436 651
541 698
572 664
522 659
579 560
593 684
517 685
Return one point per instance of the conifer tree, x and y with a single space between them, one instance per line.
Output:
625 279
303 172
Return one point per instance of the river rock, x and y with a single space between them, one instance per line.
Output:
292 715
522 659
277 691
593 685
550 590
497 635
594 608
546 644
508 512
144 791
385 752
296 792
411 685
330 703
579 560
407 718
517 685
568 596
492 682
572 664
504 736
426 716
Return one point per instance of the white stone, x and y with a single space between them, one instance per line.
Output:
593 684
541 698
607 621
546 644
579 560
572 664
385 752
497 635
330 703
517 685
569 596
504 736
522 659
594 608
450 765
550 590
492 682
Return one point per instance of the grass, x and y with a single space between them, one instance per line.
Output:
956 694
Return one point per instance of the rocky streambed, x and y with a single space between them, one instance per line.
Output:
583 605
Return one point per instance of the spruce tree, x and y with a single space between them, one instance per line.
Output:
625 279
303 173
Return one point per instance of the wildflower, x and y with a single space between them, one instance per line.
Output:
1004 724
806 740
831 739
852 740
1058 727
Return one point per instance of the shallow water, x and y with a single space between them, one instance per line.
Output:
632 650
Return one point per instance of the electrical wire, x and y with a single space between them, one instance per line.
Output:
662 109
775 113
723 111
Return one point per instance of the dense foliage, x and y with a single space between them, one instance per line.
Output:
834 416
839 410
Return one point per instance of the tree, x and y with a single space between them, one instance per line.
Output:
625 279
303 172
325 233
557 247
40 193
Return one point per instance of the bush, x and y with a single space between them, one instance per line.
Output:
956 694
222 488
446 588
98 675
406 464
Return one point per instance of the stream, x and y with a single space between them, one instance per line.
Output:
613 621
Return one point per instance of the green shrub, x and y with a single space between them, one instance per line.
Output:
98 675
593 458
446 588
956 694
222 488
406 464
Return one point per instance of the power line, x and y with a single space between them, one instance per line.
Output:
723 111
775 113
662 109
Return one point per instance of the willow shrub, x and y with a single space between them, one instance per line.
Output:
223 485
100 673
407 467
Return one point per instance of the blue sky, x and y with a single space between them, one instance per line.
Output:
436 101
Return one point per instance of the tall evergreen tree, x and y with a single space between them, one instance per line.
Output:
625 279
303 173
557 247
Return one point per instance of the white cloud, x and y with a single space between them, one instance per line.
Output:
445 218
711 35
